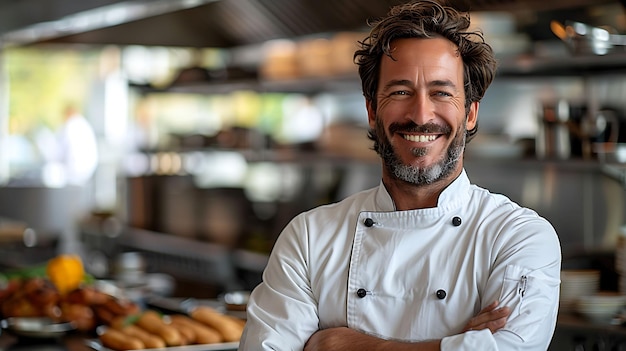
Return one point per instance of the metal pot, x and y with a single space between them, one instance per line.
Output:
582 38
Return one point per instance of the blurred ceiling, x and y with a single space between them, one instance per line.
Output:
231 23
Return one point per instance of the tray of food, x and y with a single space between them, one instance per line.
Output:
227 346
204 328
58 298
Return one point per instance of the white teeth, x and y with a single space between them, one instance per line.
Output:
420 138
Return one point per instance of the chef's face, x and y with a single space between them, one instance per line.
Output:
421 119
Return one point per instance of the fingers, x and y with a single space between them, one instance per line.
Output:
498 321
492 306
490 317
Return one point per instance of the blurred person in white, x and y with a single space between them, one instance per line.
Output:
426 260
78 148
77 156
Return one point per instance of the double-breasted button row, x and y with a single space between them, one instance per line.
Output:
456 221
441 294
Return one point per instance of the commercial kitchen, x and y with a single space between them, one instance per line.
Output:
217 121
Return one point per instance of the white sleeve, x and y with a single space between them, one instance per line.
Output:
469 341
282 311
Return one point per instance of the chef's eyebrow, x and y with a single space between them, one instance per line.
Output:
405 82
442 83
396 82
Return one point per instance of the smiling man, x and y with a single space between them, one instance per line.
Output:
419 119
426 260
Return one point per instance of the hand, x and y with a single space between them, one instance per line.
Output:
489 318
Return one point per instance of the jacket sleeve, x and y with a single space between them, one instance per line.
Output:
525 276
282 311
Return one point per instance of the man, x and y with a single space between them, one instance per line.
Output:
425 261
78 148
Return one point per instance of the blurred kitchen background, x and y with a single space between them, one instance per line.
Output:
217 121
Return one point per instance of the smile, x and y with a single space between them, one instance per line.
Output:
420 138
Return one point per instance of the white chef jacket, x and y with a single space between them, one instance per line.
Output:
410 275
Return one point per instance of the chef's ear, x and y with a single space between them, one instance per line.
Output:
472 115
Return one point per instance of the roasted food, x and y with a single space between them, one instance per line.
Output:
60 291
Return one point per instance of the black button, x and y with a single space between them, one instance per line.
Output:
456 221
368 222
441 294
361 293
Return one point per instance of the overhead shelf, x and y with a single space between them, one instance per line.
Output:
521 66
308 85
526 65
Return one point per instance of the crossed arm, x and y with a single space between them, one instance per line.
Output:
346 339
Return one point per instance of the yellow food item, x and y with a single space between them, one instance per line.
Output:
66 272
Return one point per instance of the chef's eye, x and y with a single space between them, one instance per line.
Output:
442 93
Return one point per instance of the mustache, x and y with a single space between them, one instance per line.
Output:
412 127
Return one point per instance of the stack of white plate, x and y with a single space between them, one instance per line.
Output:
601 307
620 260
576 283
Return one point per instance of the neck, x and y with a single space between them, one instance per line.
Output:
408 196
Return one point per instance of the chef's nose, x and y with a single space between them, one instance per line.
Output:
421 109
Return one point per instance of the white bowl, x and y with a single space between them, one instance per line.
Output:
601 307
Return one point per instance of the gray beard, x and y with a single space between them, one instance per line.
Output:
415 174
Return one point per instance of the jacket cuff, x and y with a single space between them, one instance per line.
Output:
470 341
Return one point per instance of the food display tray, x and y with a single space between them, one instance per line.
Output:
227 346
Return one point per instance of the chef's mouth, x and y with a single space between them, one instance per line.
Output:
413 130
421 138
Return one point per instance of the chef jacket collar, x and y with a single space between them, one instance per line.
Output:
451 197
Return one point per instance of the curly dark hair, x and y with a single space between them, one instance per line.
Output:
427 19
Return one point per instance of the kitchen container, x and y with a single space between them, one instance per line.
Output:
601 307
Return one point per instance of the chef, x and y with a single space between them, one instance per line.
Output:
426 260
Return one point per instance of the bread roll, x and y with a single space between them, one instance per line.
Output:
203 333
225 325
116 340
150 341
152 322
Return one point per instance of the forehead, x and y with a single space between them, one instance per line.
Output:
434 56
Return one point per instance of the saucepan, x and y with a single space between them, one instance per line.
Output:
582 38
